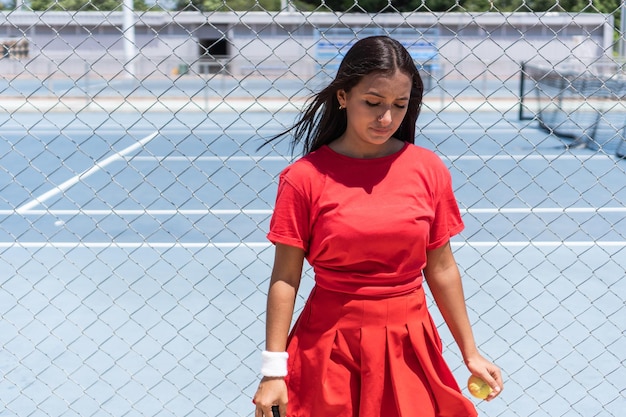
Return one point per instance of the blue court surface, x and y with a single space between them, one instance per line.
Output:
134 261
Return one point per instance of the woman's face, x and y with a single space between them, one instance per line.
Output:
375 108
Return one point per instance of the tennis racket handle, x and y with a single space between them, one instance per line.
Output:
275 412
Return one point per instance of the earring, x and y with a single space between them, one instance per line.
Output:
341 107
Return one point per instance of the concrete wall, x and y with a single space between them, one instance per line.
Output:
483 45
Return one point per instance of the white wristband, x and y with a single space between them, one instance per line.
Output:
274 363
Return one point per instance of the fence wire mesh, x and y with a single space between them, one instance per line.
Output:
134 199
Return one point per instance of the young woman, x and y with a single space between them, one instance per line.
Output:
373 214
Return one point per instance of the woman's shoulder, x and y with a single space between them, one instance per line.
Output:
425 156
306 171
306 165
304 175
300 167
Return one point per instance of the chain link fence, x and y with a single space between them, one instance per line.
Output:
134 199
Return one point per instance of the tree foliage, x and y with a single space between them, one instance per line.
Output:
237 5
84 5
353 6
223 6
391 6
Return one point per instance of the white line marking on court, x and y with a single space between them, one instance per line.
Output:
542 244
522 157
164 131
69 131
209 158
270 130
452 158
72 181
263 245
545 210
139 212
203 212
133 245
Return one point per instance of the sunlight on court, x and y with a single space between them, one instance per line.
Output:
136 262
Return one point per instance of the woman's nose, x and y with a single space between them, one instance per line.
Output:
385 118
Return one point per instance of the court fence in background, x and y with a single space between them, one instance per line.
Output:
134 199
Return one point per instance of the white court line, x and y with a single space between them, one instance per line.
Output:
483 158
98 166
121 131
545 210
209 158
522 157
202 212
263 245
239 130
138 212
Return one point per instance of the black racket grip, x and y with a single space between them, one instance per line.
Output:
275 412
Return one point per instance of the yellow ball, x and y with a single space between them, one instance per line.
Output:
478 388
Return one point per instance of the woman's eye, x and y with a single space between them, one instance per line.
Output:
372 104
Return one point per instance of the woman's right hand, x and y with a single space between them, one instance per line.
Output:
272 391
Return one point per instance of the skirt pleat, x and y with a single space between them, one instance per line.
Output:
352 356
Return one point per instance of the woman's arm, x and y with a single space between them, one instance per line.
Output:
444 281
284 283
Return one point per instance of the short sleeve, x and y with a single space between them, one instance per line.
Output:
290 222
447 221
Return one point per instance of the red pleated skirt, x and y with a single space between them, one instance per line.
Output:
354 356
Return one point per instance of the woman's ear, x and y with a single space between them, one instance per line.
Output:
341 97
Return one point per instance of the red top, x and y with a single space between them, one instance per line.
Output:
365 224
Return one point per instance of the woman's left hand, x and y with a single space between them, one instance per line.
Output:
488 372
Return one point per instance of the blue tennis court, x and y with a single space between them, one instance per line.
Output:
135 261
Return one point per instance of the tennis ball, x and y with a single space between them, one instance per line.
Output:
478 388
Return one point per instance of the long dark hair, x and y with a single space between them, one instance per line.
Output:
322 121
